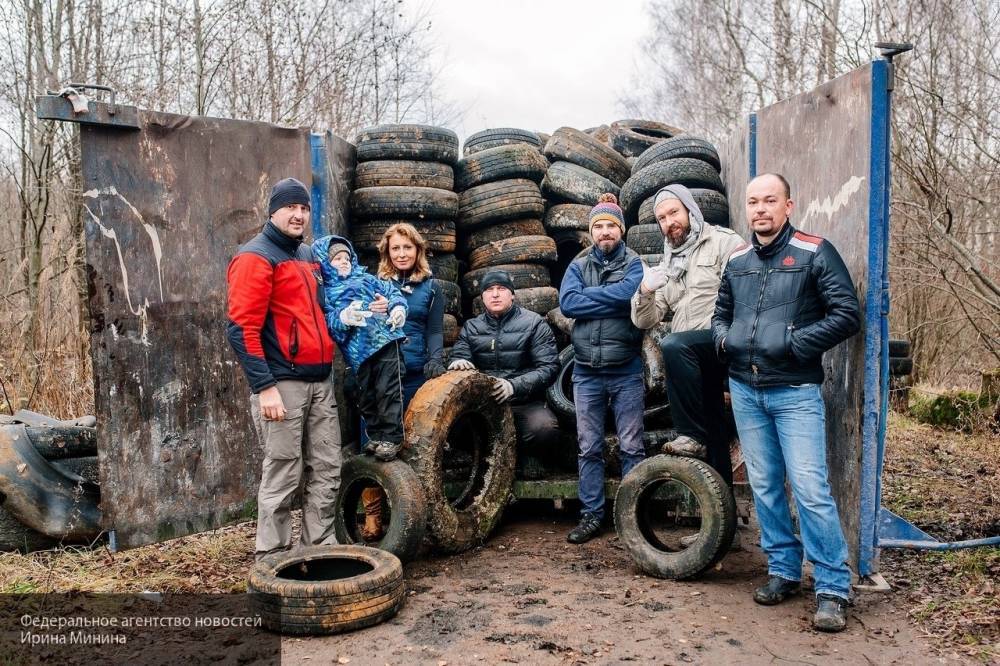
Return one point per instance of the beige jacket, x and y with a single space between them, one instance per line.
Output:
691 298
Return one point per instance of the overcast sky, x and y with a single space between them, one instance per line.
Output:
535 64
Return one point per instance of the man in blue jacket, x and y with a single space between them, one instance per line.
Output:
597 292
786 297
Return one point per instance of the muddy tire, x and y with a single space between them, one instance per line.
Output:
452 295
444 266
560 322
574 217
404 173
57 442
645 238
632 138
496 232
714 207
574 184
407 142
536 299
571 145
900 367
679 146
404 503
451 329
633 512
516 160
644 183
897 349
343 588
535 249
438 234
503 200
459 405
559 395
523 276
500 136
404 202
84 467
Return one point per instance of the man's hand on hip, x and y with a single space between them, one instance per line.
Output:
272 408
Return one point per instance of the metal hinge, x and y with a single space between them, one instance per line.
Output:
71 105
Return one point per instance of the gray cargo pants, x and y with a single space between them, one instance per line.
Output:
303 449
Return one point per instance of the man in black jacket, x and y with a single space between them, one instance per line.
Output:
516 347
786 298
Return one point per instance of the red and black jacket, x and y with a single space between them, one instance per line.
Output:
276 325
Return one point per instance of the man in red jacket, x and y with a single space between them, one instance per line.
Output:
278 331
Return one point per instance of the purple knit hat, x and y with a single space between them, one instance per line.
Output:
607 208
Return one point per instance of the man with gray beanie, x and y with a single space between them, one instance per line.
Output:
278 331
517 348
685 285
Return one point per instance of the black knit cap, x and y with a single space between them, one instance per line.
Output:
285 192
491 278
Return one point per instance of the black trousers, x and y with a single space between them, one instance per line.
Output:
380 394
695 383
537 428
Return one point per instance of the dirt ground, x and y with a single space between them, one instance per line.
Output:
529 597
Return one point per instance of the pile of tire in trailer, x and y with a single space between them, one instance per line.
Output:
49 492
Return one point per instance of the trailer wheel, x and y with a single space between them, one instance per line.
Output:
460 443
326 589
404 510
654 543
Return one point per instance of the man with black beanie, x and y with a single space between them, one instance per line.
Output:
278 331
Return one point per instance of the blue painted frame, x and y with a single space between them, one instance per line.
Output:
317 146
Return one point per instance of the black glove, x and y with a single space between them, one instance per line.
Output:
434 368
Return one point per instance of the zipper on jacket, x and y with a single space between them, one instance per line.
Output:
293 343
756 318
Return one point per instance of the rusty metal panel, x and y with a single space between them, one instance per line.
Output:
166 208
734 155
821 141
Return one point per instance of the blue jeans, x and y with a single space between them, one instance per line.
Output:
783 434
591 395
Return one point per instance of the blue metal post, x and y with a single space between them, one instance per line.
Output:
317 145
752 147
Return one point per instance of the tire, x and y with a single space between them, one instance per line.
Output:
601 133
718 516
559 395
570 242
438 234
451 330
407 142
475 239
326 604
714 207
645 238
644 183
568 216
500 136
899 348
452 296
84 467
516 160
560 322
523 275
632 138
534 249
404 173
444 266
404 502
57 442
684 145
405 202
502 200
900 367
574 184
15 536
459 404
576 147
537 299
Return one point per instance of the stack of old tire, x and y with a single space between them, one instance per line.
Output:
405 174
500 217
900 371
49 493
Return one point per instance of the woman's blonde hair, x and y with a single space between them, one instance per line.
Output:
421 269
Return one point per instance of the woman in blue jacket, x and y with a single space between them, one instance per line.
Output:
403 260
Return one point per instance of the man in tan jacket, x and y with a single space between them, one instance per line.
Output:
685 285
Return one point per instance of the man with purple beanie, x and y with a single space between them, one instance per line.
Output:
597 292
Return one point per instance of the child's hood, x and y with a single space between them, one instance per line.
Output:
321 253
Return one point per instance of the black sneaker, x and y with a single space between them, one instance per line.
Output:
776 590
386 451
370 446
831 613
589 527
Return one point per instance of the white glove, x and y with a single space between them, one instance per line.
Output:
353 315
461 364
397 318
654 278
503 390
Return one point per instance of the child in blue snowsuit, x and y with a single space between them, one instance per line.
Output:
369 342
